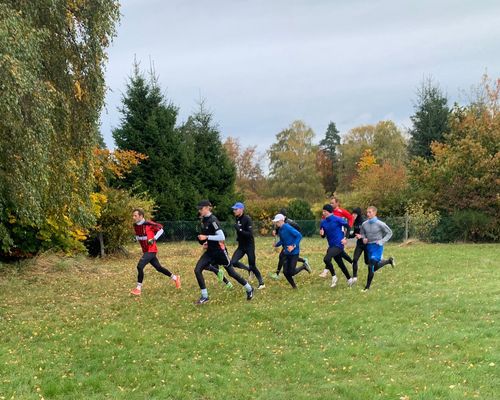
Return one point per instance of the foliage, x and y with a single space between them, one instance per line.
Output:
263 211
422 220
299 209
293 164
385 140
463 173
52 79
112 165
211 173
473 224
184 164
148 127
249 177
430 121
384 186
115 221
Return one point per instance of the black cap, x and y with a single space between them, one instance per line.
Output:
204 203
328 207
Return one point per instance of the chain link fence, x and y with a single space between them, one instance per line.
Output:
189 230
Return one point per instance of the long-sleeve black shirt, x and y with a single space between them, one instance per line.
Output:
244 231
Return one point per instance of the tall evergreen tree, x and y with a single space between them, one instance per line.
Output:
430 121
212 174
148 127
328 161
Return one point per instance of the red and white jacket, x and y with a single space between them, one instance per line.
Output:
146 230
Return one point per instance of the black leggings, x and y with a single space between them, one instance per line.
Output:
281 262
249 250
372 268
360 249
150 258
346 257
336 254
209 261
290 268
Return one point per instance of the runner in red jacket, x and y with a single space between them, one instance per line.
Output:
147 233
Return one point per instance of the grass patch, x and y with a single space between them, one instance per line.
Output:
427 330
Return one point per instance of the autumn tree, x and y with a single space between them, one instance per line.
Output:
249 176
462 175
52 77
293 164
382 184
385 140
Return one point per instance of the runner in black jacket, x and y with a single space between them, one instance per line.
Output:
212 238
360 246
246 243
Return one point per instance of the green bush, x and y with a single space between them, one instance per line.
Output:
115 221
473 224
422 221
262 212
299 209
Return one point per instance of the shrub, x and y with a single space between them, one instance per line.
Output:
115 221
422 221
471 223
299 209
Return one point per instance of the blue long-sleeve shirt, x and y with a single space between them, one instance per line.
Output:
289 236
332 226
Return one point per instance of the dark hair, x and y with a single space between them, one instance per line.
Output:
359 217
140 211
328 207
283 211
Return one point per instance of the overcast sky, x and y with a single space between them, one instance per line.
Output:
260 65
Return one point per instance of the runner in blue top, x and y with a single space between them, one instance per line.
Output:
331 228
290 240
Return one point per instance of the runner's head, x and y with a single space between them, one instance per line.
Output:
279 220
137 214
371 212
327 210
238 209
335 202
204 208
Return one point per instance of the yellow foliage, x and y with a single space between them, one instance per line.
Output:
78 91
98 201
366 161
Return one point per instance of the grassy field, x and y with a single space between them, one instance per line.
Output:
428 329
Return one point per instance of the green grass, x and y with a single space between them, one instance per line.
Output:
427 330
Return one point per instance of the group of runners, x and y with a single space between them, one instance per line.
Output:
337 225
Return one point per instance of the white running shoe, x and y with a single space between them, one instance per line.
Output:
334 281
350 282
354 280
324 274
261 287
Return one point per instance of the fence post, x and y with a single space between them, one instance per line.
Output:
406 226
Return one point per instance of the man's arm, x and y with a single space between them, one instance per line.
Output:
246 228
387 233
